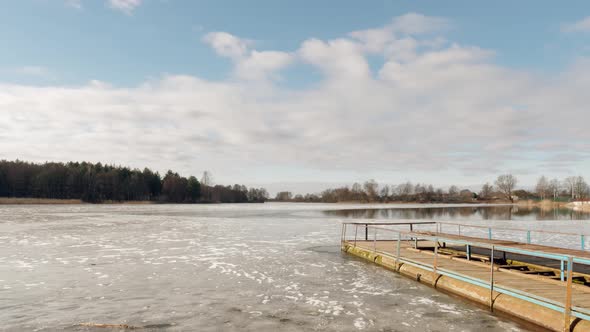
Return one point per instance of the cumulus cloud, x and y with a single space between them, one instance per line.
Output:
227 45
250 64
441 108
336 58
582 25
401 28
125 6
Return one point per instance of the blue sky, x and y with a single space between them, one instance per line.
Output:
158 37
240 83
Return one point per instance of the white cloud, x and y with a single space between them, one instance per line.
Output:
430 109
336 58
125 6
74 3
582 25
261 65
227 45
250 64
398 39
414 24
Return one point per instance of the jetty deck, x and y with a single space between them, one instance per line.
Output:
546 276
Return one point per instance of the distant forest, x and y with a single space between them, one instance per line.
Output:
504 189
96 183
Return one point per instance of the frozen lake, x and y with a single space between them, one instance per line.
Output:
258 267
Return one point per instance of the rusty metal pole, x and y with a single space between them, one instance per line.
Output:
375 240
399 243
492 279
435 253
568 295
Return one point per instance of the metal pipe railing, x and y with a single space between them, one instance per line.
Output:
528 232
566 306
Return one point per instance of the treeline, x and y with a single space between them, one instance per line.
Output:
503 189
97 183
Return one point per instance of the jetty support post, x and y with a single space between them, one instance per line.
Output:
366 232
492 279
568 295
398 249
356 229
434 265
528 237
374 239
582 241
561 270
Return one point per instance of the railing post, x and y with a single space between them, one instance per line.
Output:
492 279
366 232
399 243
435 254
568 295
582 241
561 268
375 240
356 229
528 237
489 233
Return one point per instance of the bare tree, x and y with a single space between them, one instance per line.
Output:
542 187
580 187
384 192
486 190
453 191
206 184
284 196
371 188
207 179
405 189
569 183
554 186
506 183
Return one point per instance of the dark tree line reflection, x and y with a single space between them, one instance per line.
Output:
459 213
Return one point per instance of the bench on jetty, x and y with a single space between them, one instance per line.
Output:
543 284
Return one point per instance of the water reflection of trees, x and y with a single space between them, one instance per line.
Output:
478 213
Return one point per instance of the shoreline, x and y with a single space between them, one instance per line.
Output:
54 201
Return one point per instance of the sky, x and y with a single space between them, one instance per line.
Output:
300 95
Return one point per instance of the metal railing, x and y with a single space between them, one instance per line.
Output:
491 232
444 227
386 232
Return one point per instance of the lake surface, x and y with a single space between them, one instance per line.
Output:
258 267
459 213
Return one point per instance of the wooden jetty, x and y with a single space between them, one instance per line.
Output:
541 284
